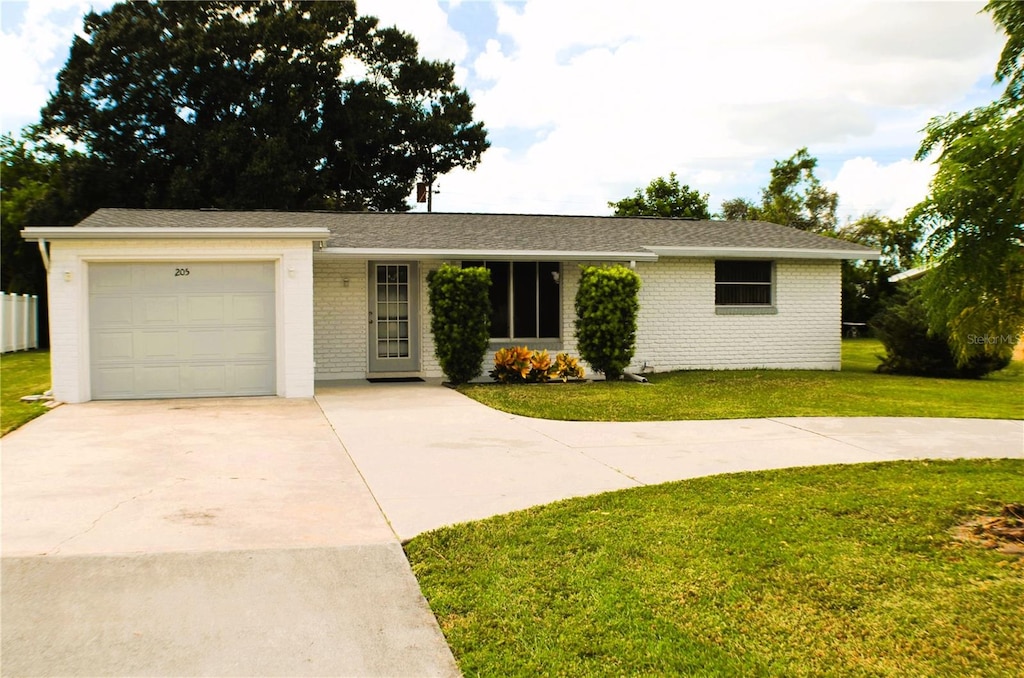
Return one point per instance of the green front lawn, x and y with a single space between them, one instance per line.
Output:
856 391
22 374
827 571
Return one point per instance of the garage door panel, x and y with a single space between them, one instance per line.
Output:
251 343
205 308
114 346
253 379
251 308
162 345
159 379
209 379
112 310
115 382
207 344
110 278
152 310
182 329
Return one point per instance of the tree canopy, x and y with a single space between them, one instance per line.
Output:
738 209
264 104
793 197
975 211
664 198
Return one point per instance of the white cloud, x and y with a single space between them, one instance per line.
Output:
627 95
866 186
31 52
426 21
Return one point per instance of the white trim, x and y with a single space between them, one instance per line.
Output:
458 255
910 274
762 253
33 233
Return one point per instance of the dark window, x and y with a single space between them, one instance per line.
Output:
525 299
743 283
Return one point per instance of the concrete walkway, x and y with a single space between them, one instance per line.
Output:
219 537
433 457
245 537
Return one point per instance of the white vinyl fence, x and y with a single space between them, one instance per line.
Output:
19 322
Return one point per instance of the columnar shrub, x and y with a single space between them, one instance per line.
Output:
607 305
460 310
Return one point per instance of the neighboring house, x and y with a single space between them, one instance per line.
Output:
176 303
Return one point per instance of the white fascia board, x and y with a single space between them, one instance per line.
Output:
762 253
496 255
34 233
910 274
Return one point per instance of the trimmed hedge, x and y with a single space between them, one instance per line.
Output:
607 305
460 311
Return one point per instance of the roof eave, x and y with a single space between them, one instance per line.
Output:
910 274
764 253
488 254
36 233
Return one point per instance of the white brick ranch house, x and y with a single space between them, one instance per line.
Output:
183 303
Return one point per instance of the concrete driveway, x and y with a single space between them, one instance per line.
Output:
221 537
433 457
257 536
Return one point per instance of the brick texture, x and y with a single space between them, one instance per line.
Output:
680 329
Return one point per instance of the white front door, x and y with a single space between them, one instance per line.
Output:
394 327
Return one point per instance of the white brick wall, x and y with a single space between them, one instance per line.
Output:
68 282
679 328
339 318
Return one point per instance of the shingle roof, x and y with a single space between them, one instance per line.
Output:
491 232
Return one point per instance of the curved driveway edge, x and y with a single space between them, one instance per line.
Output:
433 457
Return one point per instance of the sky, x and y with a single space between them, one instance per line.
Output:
586 100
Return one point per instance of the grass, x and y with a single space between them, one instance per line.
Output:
856 391
21 374
826 571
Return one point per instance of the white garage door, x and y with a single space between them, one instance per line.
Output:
175 330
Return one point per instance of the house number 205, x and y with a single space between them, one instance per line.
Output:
178 272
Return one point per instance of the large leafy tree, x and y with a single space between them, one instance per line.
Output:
975 211
286 105
793 197
664 198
